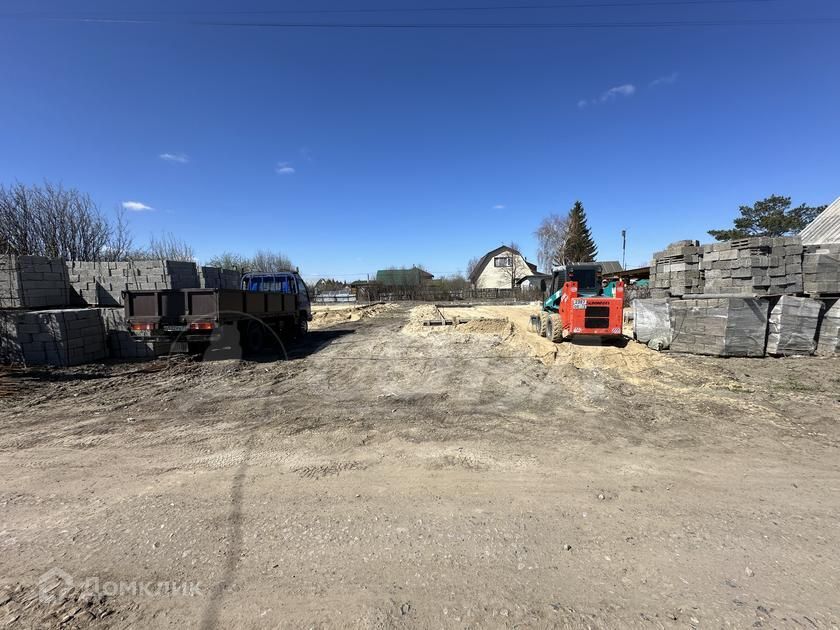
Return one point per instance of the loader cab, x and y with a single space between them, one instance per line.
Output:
587 275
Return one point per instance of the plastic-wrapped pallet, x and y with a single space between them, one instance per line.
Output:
828 341
726 327
651 321
793 326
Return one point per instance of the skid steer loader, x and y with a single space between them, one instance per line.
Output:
576 305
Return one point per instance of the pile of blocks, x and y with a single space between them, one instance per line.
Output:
121 343
754 266
59 337
821 269
218 278
726 327
33 282
102 283
676 271
793 326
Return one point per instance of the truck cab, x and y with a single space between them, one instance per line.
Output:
286 282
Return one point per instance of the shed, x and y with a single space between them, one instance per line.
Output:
413 277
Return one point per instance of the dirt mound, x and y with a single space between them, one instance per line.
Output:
324 316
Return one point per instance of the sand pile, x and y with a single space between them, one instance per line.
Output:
324 316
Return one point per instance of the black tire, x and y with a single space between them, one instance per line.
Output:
255 337
302 326
554 331
543 324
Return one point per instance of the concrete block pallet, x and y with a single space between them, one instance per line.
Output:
676 270
759 266
102 283
821 269
727 327
59 337
218 278
33 282
793 326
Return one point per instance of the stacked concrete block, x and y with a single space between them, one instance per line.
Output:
59 337
828 339
676 270
121 343
726 327
218 278
821 269
793 326
102 283
652 321
33 282
755 266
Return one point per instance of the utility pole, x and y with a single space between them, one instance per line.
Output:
624 249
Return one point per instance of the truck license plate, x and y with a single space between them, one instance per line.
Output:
579 304
175 328
142 333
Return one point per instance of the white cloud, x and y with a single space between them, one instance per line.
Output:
499 206
628 89
136 206
669 79
181 158
284 168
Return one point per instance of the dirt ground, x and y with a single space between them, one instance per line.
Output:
388 474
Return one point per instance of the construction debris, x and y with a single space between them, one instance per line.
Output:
33 282
793 326
726 327
828 341
760 265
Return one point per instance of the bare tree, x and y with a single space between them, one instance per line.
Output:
51 220
551 236
230 260
120 242
265 260
514 268
169 247
472 265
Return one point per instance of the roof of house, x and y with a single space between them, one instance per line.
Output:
402 277
610 266
476 272
825 228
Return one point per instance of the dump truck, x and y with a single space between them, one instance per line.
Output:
269 306
577 306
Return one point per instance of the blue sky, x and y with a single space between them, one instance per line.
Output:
351 150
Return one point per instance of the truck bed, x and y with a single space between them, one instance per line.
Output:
183 306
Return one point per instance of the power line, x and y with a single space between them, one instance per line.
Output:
457 9
817 21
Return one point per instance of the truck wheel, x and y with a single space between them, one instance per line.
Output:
543 324
303 325
554 330
255 337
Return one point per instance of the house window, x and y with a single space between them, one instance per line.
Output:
503 261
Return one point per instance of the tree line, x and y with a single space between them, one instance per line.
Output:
567 238
54 221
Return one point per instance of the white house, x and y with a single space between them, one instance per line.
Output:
501 269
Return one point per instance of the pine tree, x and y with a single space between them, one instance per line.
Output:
580 247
